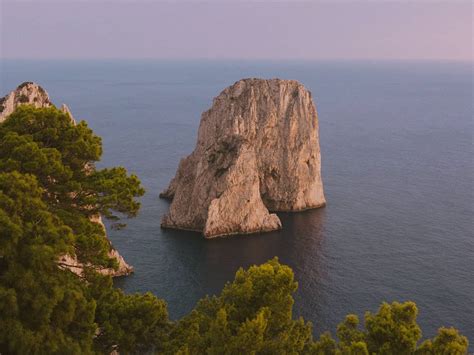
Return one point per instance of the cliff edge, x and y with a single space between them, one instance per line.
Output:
257 152
30 93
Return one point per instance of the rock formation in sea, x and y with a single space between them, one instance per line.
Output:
30 93
257 152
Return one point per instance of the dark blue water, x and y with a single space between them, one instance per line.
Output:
396 142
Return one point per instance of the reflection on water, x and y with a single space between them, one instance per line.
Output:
214 262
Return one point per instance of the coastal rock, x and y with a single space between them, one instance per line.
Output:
257 151
26 93
71 263
123 268
30 93
64 108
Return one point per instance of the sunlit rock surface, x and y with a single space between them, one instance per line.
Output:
257 152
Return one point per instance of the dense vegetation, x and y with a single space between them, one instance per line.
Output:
50 190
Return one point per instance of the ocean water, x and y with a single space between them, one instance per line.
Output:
397 164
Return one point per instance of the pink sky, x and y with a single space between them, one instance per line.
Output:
249 30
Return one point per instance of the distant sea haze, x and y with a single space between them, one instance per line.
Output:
396 147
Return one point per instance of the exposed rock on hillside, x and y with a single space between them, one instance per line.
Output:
26 93
69 262
257 151
30 94
33 94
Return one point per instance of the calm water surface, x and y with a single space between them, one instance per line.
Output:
396 142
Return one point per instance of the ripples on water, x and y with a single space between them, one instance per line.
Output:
396 142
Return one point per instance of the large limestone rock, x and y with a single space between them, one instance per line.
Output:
257 151
32 94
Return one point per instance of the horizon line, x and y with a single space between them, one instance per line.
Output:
182 59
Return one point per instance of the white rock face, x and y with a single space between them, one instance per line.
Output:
26 93
257 151
64 108
71 263
30 93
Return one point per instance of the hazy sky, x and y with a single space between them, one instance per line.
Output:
237 29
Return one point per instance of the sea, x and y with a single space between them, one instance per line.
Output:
397 164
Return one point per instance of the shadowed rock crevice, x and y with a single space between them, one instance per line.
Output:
257 151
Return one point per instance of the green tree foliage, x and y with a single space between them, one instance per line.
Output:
49 194
133 323
43 309
392 330
448 341
253 314
47 144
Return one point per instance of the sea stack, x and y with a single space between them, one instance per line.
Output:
257 152
30 93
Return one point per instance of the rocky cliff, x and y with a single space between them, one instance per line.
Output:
71 263
257 151
26 93
32 94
